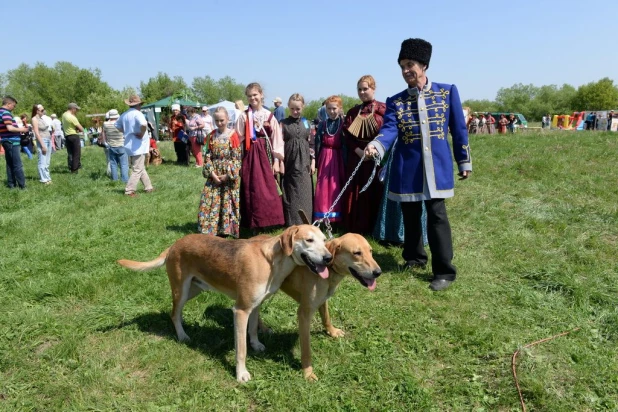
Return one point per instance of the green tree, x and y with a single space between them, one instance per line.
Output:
551 99
483 105
599 95
161 86
54 87
212 91
517 98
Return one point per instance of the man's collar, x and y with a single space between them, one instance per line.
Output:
414 91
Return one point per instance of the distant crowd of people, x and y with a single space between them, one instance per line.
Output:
485 123
125 137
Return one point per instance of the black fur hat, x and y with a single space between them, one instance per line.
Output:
415 49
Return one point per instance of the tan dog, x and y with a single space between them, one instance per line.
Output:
351 256
248 271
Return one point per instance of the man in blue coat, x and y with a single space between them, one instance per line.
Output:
420 118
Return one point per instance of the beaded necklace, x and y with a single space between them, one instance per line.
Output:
336 122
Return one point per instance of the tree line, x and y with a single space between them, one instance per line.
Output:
535 102
55 86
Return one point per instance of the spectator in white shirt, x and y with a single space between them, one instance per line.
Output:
137 143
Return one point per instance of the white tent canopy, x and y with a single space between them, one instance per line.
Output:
232 112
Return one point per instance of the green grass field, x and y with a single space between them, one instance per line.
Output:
535 236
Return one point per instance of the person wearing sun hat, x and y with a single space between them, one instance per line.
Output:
118 157
177 124
137 144
419 118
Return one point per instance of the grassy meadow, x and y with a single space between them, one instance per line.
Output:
535 233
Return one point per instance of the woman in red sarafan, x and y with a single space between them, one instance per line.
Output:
361 125
262 142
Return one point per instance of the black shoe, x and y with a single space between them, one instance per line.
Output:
414 265
440 284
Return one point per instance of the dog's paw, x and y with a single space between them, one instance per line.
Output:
335 333
243 376
309 375
183 337
258 346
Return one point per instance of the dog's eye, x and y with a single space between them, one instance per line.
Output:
309 240
359 253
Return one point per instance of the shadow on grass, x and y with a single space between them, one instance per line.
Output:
393 265
216 341
187 228
387 261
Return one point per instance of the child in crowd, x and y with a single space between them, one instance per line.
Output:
260 135
330 164
219 211
299 163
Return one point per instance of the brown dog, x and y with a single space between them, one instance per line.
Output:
248 271
351 256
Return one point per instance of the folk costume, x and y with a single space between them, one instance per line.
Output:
503 122
331 169
422 168
219 210
360 126
491 124
298 182
260 198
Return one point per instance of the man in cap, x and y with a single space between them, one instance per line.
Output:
10 137
137 143
279 111
71 127
419 118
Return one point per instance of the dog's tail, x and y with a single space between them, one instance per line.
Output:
144 266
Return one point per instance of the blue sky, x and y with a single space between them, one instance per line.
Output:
319 48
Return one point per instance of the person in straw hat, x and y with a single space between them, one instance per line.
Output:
137 143
419 118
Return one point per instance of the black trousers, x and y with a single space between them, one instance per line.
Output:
438 234
74 152
182 157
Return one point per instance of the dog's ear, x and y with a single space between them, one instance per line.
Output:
333 246
287 240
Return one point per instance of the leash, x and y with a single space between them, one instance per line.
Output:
514 360
325 220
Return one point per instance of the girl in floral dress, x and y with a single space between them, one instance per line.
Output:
219 211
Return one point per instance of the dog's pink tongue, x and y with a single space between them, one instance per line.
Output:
322 271
371 284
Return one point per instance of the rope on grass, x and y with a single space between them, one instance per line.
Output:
521 397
